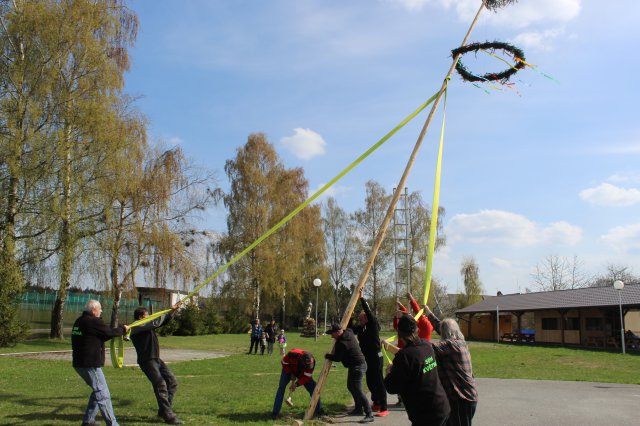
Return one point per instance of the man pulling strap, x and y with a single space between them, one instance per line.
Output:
148 349
369 338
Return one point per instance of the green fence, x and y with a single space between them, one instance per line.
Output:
35 308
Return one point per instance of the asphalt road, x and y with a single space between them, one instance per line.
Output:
541 402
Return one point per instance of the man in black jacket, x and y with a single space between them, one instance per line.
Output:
369 337
147 347
414 376
347 351
87 341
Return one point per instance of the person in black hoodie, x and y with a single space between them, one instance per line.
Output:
88 335
368 332
414 376
347 351
164 383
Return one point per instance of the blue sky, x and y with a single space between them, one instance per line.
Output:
550 170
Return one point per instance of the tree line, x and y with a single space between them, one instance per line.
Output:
84 192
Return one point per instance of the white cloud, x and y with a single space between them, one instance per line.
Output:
526 13
332 191
500 263
412 4
510 229
625 177
304 144
607 194
623 238
537 40
562 233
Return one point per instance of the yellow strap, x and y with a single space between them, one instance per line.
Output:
314 196
433 228
117 353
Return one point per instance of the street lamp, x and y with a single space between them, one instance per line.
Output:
619 285
317 283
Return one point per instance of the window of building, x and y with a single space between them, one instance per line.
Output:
594 324
550 324
572 323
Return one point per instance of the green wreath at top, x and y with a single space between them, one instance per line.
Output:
493 46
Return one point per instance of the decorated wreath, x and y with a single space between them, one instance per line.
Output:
503 76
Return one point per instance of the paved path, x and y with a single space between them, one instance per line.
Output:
541 402
168 355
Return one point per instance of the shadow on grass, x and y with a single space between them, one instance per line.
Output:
49 414
333 410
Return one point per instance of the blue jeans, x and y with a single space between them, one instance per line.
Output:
100 397
282 386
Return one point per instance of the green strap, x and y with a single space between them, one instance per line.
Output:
433 228
314 196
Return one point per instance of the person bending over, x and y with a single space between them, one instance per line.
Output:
348 352
297 368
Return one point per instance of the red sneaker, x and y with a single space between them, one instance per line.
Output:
375 407
382 413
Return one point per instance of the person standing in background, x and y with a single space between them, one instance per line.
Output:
256 335
271 330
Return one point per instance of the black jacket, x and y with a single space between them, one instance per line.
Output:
347 350
414 377
368 334
271 333
87 340
144 338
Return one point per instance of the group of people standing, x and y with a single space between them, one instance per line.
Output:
434 380
266 338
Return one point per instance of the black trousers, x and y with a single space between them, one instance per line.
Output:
375 381
256 341
354 384
164 384
462 412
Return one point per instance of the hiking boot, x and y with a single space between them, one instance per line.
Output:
173 420
367 419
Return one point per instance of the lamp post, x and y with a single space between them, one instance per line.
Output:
619 285
317 283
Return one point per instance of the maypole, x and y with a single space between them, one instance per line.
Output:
387 219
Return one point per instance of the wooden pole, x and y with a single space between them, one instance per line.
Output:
385 224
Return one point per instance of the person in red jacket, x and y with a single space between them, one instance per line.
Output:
425 328
297 368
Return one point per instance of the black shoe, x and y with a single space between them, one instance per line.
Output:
367 419
274 416
355 412
173 420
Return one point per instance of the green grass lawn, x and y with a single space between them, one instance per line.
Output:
239 389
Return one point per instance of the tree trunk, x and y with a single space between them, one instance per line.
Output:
66 243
